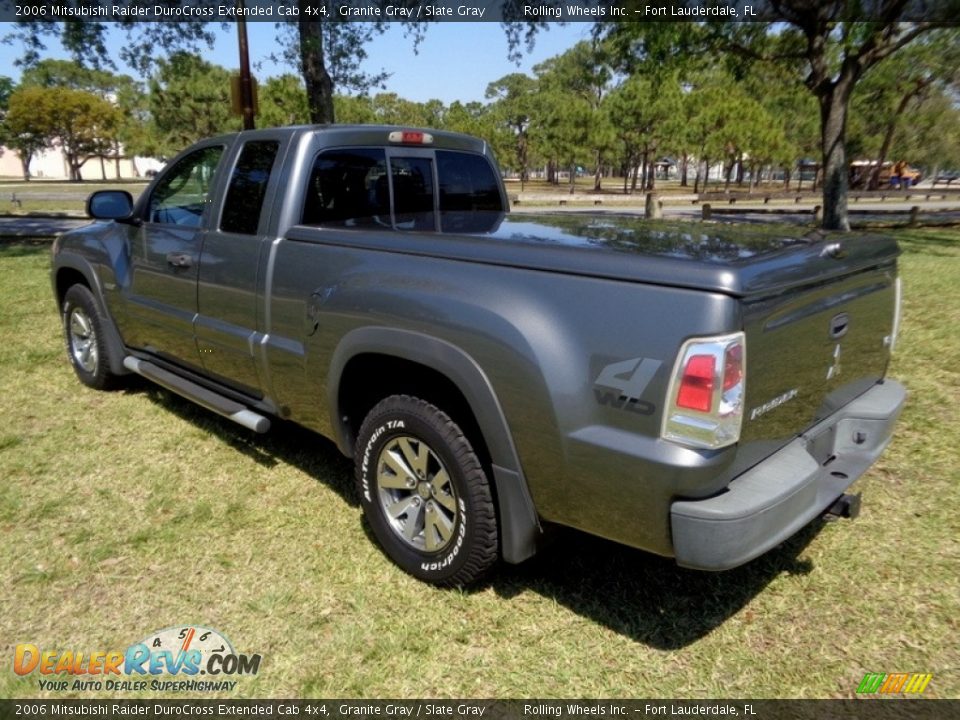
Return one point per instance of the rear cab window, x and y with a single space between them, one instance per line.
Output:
413 196
469 192
403 189
348 188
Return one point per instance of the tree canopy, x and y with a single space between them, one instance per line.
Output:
327 48
188 99
829 44
83 124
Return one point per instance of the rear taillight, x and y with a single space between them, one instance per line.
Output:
696 384
705 399
733 367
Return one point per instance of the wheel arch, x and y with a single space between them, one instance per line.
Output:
371 363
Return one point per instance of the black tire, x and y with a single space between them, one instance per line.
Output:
85 339
425 493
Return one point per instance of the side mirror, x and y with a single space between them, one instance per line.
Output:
110 205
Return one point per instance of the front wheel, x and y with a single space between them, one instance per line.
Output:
424 492
86 342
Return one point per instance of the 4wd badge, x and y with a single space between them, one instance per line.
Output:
631 377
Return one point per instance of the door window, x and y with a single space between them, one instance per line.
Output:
182 195
248 187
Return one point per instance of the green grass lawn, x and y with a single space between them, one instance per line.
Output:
127 512
44 196
68 206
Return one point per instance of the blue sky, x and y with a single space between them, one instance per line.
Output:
455 61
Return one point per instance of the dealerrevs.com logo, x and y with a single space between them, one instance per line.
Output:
894 683
186 658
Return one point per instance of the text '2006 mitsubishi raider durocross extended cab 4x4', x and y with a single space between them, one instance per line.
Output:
695 392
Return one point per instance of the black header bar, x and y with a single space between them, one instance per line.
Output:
863 709
743 11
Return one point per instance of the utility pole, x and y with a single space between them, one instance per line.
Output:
246 82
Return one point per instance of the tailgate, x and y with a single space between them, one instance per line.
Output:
813 347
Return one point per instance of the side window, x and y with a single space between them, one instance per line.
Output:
469 192
181 196
413 193
248 186
348 188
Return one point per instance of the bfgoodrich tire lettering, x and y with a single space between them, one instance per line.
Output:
424 492
85 339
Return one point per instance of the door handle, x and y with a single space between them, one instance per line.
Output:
180 260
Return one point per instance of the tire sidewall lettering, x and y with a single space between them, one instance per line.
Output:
368 451
455 550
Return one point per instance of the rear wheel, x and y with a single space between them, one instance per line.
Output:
86 343
424 492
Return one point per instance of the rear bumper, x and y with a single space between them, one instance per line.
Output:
773 500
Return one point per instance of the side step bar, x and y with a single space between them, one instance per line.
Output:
209 399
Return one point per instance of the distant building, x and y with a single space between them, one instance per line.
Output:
52 164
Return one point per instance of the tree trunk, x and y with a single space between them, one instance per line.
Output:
652 169
317 79
522 157
644 167
834 101
597 174
683 169
25 162
888 140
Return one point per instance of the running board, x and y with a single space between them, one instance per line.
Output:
209 399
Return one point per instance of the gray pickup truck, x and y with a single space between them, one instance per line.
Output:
694 392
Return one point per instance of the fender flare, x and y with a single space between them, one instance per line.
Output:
72 261
519 523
